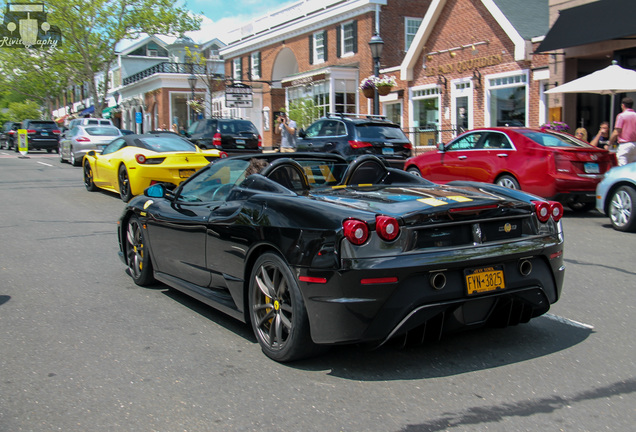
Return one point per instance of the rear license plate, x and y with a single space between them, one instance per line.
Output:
591 168
44 133
484 280
185 173
387 151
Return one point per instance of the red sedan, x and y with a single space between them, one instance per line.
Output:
549 164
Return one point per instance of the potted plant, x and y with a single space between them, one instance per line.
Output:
367 86
555 126
385 84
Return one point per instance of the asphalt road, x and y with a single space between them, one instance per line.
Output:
82 348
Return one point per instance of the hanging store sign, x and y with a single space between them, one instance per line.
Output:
238 96
465 65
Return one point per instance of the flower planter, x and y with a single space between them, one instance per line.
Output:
368 92
384 90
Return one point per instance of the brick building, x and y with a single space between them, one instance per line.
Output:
459 64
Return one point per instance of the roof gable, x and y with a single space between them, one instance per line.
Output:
508 21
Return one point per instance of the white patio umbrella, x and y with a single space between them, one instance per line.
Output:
609 81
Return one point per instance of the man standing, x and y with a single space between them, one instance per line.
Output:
625 133
287 128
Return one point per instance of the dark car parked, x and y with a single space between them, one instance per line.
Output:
351 136
8 136
42 135
234 136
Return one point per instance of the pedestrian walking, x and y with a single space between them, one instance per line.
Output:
287 128
625 133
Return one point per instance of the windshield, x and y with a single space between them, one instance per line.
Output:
165 143
554 139
102 131
215 182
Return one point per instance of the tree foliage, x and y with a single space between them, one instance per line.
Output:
304 111
91 31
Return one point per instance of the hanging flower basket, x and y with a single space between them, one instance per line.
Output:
368 92
384 90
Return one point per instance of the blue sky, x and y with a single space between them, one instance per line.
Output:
221 16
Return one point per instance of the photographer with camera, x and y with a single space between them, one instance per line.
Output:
287 128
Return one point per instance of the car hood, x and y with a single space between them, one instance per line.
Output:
439 202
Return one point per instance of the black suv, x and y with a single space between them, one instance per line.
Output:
233 136
353 135
42 135
8 135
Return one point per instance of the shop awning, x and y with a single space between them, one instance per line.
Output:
89 110
106 112
598 21
61 119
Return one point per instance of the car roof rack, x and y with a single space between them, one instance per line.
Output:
360 116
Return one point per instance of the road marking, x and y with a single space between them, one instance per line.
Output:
569 322
43 163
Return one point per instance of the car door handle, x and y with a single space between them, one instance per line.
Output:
462 157
502 154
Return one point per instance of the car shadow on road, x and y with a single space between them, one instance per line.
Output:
455 354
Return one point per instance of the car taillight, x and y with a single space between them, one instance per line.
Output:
30 130
356 231
387 227
222 154
55 131
11 132
359 144
216 140
82 139
548 209
556 210
408 146
141 159
260 142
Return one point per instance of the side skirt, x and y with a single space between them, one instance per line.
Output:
220 302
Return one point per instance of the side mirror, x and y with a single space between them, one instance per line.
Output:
302 133
157 190
441 146
91 153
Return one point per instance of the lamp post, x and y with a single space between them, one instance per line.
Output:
192 80
116 97
376 44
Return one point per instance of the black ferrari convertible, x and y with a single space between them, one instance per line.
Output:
314 251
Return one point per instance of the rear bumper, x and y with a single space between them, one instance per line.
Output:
344 310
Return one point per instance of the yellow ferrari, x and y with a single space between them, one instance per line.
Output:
131 163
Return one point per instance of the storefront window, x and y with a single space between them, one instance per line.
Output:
393 112
426 108
344 95
508 100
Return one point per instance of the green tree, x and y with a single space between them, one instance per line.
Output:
304 111
24 110
91 31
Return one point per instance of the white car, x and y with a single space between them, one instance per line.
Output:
81 139
616 197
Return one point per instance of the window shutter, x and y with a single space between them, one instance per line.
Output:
339 42
311 49
260 70
324 43
249 67
355 37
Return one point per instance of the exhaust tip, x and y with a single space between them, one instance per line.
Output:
438 280
525 267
